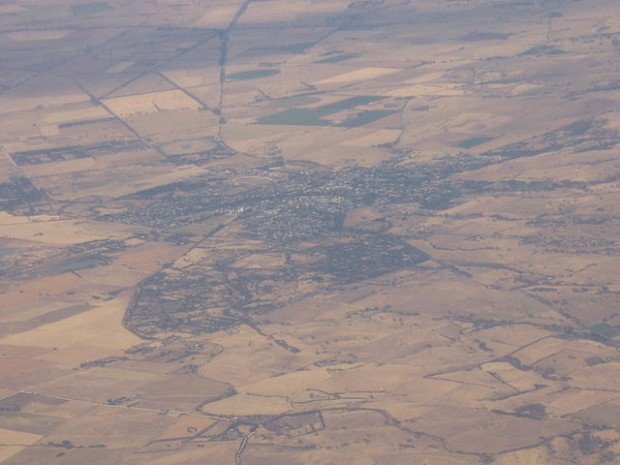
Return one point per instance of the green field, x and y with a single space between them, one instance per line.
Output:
605 330
252 74
296 117
474 141
314 116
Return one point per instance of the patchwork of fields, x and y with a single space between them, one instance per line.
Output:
250 232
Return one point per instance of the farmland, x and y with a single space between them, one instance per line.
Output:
252 232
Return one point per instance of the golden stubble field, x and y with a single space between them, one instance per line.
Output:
267 232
